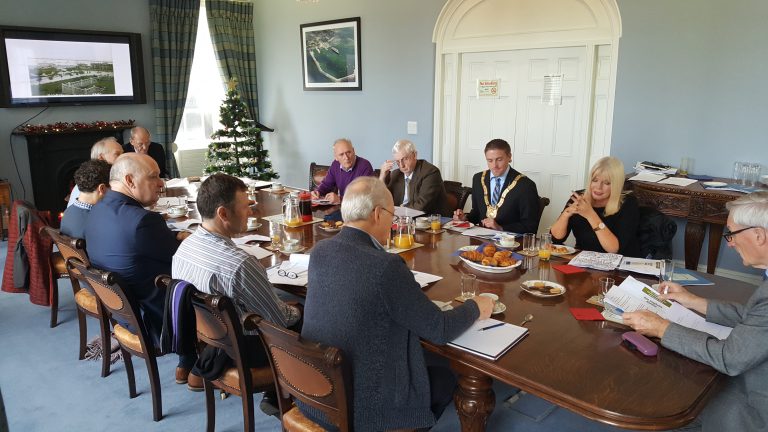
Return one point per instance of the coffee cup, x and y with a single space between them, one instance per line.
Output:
290 244
422 222
507 240
178 211
253 222
491 296
277 186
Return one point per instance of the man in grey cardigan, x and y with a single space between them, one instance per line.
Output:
366 302
742 405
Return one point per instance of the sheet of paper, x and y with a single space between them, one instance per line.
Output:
298 264
251 237
678 181
255 250
633 295
491 343
170 201
425 279
641 265
405 211
183 224
596 260
648 177
478 231
177 182
689 277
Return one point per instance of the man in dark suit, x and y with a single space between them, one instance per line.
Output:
375 312
141 142
413 182
135 243
502 198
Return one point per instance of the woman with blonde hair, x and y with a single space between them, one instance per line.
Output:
602 218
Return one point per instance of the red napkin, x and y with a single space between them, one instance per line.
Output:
587 314
568 269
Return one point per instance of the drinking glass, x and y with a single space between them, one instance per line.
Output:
686 166
754 174
468 286
276 234
738 171
667 270
529 244
434 222
606 284
545 247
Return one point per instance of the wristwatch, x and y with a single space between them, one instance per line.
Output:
599 227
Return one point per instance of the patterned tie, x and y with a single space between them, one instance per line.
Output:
496 191
405 196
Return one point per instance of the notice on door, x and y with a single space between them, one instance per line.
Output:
553 90
488 88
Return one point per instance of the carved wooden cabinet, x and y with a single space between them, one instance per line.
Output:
698 206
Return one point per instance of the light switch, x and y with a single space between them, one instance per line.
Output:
413 128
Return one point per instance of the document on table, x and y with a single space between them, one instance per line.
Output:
297 264
478 231
251 237
641 265
633 295
255 250
596 260
183 225
492 342
648 177
425 279
405 211
678 181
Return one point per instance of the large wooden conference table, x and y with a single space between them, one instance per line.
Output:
578 365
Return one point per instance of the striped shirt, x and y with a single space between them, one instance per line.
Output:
215 265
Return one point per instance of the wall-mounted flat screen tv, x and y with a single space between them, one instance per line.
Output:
55 67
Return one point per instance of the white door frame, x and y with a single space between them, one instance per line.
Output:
465 26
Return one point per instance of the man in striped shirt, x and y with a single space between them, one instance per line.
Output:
211 261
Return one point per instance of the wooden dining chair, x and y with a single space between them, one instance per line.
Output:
86 302
316 174
123 308
543 203
314 374
457 195
218 325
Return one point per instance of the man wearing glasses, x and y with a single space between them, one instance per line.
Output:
413 182
366 302
743 403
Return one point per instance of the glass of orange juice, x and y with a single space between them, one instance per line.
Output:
406 227
276 234
434 222
545 247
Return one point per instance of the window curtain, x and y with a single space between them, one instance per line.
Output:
174 30
233 36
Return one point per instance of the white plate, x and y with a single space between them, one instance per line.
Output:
330 228
297 250
570 250
487 269
499 245
498 307
714 184
449 225
526 286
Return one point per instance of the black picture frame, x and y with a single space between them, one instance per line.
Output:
330 55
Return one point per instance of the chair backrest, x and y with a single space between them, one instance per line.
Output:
120 303
218 324
655 232
312 373
316 174
543 203
457 195
68 246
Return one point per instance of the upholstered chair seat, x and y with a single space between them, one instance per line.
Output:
295 421
87 301
127 338
229 381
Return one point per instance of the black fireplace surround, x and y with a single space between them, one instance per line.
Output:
53 159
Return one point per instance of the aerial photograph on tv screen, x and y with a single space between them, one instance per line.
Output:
44 68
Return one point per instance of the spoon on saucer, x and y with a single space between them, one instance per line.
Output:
526 319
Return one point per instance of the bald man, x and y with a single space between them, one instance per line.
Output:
141 142
135 243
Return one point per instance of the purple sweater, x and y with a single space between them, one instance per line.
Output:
339 179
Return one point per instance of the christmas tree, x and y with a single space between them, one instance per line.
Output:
238 149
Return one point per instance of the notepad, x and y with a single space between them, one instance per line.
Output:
491 343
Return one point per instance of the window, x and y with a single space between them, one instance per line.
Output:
205 94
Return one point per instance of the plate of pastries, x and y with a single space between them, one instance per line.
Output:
488 258
558 250
541 288
331 226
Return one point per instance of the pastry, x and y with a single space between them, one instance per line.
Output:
489 250
472 255
489 261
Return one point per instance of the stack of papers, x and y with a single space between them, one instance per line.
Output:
255 250
425 279
491 343
298 264
648 177
678 181
478 231
633 295
648 167
596 260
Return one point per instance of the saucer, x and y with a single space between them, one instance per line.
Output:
253 227
498 307
714 184
288 252
498 244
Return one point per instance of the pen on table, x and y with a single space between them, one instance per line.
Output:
492 326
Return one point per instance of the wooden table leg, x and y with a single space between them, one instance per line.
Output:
715 234
694 238
474 398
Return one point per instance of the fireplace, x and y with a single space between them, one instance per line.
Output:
54 158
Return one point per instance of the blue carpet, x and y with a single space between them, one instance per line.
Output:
45 387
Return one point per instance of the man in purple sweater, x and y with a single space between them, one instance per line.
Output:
346 167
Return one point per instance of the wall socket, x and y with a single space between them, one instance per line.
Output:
413 128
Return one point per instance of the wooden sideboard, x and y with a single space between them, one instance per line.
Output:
698 206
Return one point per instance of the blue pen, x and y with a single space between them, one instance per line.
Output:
493 326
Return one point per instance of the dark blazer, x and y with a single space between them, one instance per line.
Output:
156 151
136 244
520 211
426 191
375 312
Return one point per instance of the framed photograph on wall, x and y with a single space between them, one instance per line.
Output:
330 55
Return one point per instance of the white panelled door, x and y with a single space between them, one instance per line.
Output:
549 142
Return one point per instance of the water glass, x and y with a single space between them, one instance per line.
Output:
606 284
468 286
667 270
529 244
738 171
686 166
276 234
754 174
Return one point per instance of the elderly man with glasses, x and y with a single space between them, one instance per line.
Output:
413 182
743 403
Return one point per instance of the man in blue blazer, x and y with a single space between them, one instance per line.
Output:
742 404
135 243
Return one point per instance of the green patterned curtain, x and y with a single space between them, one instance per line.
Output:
231 26
174 30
